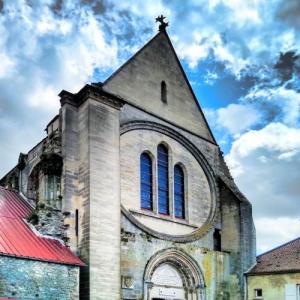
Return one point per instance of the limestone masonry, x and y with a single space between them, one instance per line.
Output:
131 178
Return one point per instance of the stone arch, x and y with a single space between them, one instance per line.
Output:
46 164
162 142
153 158
32 186
175 260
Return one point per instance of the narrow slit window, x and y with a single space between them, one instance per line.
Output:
76 222
217 240
163 179
164 92
146 181
179 192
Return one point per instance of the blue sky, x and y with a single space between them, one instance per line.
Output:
241 57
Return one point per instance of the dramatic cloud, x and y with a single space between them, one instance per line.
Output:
243 58
277 104
42 53
234 31
235 118
272 232
289 13
265 164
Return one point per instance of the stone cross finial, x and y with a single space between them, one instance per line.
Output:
163 24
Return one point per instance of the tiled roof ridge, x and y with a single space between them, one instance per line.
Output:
283 259
278 247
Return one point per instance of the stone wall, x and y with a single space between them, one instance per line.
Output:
137 248
29 279
47 221
210 150
91 185
139 82
104 201
223 271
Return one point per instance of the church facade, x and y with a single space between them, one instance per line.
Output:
138 188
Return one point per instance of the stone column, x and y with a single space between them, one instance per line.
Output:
104 196
69 128
92 186
69 179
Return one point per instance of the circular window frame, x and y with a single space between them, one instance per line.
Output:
208 171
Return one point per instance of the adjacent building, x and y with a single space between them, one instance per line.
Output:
276 276
132 179
32 266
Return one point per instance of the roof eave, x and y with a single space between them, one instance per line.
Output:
79 264
273 272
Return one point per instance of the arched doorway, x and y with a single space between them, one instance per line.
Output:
172 274
167 282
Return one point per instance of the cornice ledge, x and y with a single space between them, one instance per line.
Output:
91 91
66 98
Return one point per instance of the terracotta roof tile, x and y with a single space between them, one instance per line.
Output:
283 259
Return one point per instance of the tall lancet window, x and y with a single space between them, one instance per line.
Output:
163 90
179 192
163 179
146 181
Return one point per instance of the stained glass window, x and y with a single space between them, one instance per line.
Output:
163 179
179 192
146 181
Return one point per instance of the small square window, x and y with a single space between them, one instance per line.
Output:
258 293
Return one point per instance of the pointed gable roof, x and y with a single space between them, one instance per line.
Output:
139 80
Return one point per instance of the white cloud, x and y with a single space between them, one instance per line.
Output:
287 100
41 53
44 96
272 232
242 11
276 139
233 119
237 118
199 48
85 51
210 77
265 164
7 65
235 32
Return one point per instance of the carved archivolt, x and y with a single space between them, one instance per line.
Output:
189 271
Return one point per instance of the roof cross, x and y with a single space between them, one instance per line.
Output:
163 24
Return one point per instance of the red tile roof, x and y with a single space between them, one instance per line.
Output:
18 239
283 259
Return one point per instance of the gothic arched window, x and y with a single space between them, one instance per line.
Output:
163 90
163 179
146 181
179 192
